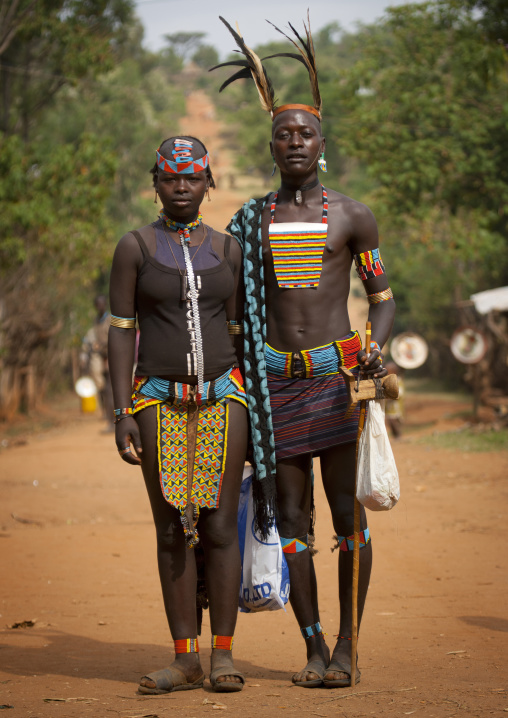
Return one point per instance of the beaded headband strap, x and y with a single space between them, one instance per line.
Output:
305 108
183 164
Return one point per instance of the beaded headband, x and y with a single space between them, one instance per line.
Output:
183 163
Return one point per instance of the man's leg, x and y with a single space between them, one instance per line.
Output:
338 466
293 498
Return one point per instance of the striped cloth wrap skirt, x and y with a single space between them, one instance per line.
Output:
192 432
308 397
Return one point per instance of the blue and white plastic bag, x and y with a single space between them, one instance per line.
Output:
265 576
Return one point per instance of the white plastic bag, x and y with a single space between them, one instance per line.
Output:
265 576
378 479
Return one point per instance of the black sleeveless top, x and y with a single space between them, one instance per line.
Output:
164 342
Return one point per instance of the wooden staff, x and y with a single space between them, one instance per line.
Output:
356 529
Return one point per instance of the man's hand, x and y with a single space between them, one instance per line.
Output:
127 433
371 365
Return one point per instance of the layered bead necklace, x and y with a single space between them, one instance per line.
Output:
191 293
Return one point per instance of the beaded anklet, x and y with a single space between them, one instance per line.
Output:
310 631
186 645
223 642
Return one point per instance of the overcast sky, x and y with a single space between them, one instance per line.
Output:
165 17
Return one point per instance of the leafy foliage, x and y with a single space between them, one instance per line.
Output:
74 175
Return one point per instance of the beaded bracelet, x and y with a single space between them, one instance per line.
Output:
119 412
123 416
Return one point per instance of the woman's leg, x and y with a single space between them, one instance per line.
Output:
177 566
219 537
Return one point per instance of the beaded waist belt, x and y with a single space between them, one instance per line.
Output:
151 390
319 361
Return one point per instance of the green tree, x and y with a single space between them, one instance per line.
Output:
425 110
206 56
57 42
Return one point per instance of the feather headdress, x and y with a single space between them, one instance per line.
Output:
251 67
307 57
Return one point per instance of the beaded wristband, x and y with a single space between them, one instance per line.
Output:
123 416
375 345
121 412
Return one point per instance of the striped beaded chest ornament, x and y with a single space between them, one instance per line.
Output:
297 249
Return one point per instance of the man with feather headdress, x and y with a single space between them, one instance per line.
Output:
299 244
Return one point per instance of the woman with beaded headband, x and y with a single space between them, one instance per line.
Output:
185 415
299 244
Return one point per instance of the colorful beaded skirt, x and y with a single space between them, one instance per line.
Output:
191 440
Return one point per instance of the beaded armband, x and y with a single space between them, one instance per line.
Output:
378 297
235 327
369 264
123 322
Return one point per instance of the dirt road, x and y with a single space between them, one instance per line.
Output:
78 558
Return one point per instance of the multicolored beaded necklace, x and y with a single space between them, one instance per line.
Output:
182 229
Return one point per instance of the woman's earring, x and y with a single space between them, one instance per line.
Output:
155 200
322 162
208 194
274 166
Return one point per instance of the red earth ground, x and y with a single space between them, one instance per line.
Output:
78 559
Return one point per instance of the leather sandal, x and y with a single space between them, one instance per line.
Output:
338 667
169 680
226 669
316 667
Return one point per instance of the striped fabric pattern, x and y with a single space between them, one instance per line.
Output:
297 249
309 414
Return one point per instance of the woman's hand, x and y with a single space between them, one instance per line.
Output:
127 433
371 365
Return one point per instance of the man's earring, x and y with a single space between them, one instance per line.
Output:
155 200
322 162
274 166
